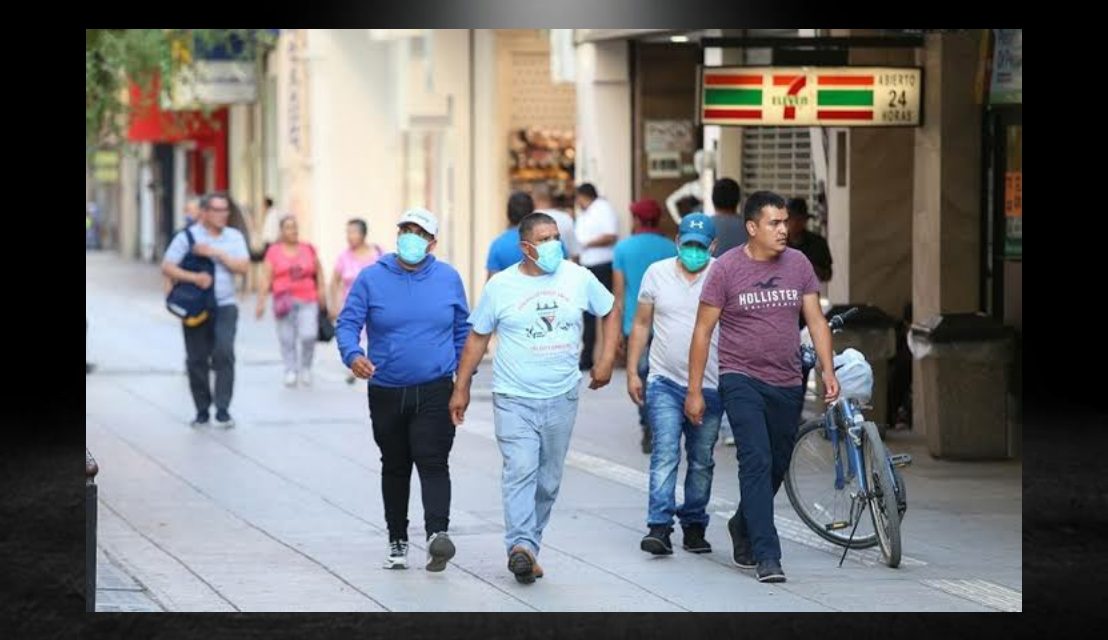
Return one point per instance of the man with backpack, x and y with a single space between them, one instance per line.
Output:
206 256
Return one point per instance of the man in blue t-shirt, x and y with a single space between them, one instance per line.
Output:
536 308
504 250
632 257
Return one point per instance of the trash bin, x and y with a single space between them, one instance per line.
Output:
964 376
873 332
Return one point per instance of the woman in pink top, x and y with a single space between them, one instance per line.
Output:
293 274
350 263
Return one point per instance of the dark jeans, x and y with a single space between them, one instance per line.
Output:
211 347
411 425
764 420
603 272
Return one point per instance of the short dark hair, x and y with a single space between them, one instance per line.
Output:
687 205
586 189
726 194
532 220
519 205
798 206
752 210
268 202
358 222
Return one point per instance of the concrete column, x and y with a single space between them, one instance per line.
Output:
946 200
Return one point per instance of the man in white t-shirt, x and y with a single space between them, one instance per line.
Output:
597 230
667 305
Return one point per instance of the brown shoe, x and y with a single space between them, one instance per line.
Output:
522 564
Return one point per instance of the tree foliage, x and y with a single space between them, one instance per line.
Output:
116 57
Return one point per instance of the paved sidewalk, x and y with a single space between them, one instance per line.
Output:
283 513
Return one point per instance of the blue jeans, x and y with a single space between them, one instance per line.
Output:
765 420
665 402
533 435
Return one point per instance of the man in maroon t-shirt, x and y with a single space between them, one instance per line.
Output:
756 292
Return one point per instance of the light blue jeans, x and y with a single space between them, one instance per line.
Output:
533 435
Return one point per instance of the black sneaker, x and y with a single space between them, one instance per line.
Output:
694 541
224 419
770 571
440 549
741 552
657 541
201 419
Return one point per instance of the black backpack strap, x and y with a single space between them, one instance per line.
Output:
191 241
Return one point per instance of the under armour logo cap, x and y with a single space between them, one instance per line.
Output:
696 227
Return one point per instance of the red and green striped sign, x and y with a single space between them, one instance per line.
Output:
811 96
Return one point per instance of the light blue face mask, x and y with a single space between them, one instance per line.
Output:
550 255
412 248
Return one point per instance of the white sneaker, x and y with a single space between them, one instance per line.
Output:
306 378
290 378
398 555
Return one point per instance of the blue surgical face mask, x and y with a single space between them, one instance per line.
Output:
550 255
412 248
693 256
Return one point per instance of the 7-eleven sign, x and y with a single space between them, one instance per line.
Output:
811 96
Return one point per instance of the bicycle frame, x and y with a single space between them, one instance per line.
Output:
850 417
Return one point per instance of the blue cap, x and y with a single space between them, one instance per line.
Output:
696 227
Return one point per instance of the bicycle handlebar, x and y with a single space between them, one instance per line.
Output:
837 322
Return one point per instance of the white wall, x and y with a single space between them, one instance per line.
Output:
355 144
604 122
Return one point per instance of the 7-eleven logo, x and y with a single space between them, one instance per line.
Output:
792 96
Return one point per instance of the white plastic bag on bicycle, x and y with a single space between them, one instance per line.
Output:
854 374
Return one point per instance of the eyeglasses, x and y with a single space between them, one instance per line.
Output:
219 209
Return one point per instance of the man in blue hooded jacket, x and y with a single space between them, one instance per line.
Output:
414 310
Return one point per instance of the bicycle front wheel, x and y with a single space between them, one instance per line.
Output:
883 501
820 488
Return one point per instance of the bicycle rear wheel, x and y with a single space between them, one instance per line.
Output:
810 483
883 503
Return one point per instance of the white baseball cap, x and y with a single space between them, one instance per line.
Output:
422 217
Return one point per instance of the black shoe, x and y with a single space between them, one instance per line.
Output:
223 419
647 441
741 552
657 541
770 571
201 419
89 368
694 541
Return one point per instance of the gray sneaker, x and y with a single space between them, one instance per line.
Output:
398 555
440 549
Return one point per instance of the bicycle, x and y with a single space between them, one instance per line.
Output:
840 466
